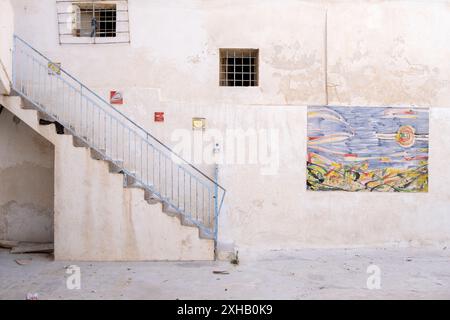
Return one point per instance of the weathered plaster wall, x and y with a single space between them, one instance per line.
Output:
378 53
389 52
175 46
26 188
276 211
97 219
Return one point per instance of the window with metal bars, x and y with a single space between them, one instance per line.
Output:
239 67
94 20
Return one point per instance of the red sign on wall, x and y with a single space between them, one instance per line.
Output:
159 116
115 97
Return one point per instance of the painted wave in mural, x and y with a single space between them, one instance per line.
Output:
367 149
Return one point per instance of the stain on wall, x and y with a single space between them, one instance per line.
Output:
26 182
392 53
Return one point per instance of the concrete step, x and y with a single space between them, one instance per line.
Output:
58 127
96 155
116 166
150 197
14 93
28 105
44 116
166 208
185 221
204 235
201 233
79 143
131 182
68 132
169 210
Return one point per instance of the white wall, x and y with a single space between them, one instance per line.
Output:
378 53
175 46
389 52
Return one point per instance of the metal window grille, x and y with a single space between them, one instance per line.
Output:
93 22
239 67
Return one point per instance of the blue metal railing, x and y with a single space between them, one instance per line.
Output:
83 113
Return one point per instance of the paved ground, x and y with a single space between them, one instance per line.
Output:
303 274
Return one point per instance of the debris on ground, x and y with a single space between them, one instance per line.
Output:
235 260
220 272
23 262
8 244
26 247
32 296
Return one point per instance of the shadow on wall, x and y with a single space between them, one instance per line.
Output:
26 182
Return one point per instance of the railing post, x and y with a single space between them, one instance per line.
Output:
13 67
216 208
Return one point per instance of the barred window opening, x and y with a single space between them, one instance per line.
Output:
94 20
239 67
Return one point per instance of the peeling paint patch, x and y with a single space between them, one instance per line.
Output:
27 183
258 203
194 59
292 57
299 86
26 222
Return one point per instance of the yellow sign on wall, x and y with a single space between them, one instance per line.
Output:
54 68
198 123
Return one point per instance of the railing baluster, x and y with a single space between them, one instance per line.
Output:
179 185
31 81
209 207
146 165
38 84
190 196
158 169
63 114
129 150
154 166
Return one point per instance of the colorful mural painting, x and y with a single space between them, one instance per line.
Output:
367 149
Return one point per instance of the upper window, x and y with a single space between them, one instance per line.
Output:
239 67
94 20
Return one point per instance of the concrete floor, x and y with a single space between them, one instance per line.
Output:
406 273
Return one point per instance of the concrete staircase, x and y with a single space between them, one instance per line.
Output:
101 213
106 166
